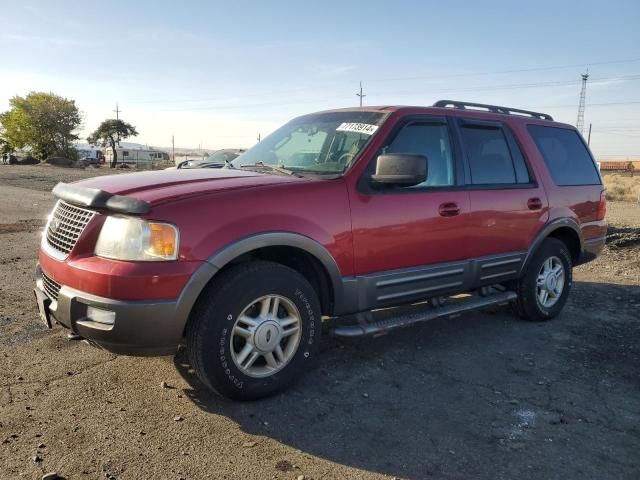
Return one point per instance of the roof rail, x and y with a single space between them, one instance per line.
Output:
491 108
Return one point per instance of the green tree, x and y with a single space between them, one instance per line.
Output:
109 133
44 122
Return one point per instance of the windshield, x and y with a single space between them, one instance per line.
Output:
324 143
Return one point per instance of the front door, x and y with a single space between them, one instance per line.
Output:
408 240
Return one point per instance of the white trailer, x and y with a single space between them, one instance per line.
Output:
137 156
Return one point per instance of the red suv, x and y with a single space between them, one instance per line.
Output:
336 213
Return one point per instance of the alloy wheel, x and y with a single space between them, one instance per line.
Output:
266 336
550 282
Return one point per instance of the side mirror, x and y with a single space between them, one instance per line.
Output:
400 169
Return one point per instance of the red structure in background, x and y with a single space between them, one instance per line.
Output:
624 167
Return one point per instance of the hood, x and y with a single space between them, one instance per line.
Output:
162 185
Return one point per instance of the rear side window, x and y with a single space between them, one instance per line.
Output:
566 156
490 159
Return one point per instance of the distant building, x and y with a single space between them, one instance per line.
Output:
133 153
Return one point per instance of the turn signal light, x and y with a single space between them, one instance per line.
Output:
163 240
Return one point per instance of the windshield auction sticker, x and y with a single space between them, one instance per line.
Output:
357 128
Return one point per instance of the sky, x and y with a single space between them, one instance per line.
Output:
216 74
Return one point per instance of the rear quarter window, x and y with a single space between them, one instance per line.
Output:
565 155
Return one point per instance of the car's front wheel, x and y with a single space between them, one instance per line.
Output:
254 330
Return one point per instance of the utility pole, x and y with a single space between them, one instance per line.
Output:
589 137
117 110
258 137
361 95
173 149
583 96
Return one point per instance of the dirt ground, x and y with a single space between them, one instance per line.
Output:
482 396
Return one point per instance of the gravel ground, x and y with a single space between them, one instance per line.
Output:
484 395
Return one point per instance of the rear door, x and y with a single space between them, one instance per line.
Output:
508 204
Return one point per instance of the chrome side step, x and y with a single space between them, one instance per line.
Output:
367 327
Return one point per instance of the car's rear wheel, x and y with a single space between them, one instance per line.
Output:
254 330
544 288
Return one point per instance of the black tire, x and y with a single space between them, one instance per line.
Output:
528 305
209 336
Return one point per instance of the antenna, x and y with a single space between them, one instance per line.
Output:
583 96
361 95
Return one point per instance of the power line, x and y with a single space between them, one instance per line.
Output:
553 83
413 92
420 77
634 102
319 101
499 72
396 93
619 134
620 129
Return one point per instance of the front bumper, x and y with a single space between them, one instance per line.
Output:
140 327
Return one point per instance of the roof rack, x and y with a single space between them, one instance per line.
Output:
491 108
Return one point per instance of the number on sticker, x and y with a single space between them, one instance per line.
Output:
364 128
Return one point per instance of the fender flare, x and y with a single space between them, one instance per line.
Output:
230 252
547 230
277 239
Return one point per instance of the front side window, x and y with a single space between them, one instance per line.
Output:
323 143
565 155
432 141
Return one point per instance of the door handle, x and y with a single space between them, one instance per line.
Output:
534 203
449 209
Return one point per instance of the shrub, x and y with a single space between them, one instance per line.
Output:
622 188
60 161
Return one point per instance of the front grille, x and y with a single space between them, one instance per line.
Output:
51 287
66 224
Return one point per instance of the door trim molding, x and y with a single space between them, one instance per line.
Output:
415 284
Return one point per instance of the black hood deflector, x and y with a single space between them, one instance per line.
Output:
100 200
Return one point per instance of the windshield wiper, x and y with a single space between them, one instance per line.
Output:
270 168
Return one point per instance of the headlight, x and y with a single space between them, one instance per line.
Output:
128 238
